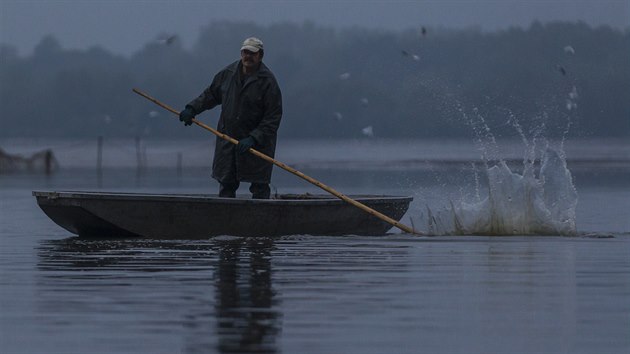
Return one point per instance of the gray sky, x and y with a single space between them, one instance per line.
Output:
124 26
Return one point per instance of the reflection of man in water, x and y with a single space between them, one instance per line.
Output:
246 320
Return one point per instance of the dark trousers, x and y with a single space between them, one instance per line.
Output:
258 190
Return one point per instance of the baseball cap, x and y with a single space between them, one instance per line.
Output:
252 44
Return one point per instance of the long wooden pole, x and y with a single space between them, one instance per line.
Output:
319 184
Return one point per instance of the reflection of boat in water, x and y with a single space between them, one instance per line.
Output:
223 288
197 216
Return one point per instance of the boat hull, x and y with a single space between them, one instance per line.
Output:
97 214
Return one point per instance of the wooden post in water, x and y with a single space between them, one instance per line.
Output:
48 156
138 157
179 165
99 162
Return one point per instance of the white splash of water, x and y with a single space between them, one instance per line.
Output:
529 203
517 204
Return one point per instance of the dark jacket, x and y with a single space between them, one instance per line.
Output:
253 108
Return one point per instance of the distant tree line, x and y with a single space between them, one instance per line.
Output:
336 83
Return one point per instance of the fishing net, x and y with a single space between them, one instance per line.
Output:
40 162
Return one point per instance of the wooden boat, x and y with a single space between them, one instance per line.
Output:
100 214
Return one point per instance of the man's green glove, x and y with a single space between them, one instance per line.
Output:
187 115
245 144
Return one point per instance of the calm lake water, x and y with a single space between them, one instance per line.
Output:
393 293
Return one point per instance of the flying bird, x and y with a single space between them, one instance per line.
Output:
368 131
344 76
413 56
573 94
364 101
168 40
338 116
569 49
561 69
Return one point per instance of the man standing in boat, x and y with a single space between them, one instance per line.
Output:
251 110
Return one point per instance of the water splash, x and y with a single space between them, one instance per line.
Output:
518 204
534 202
